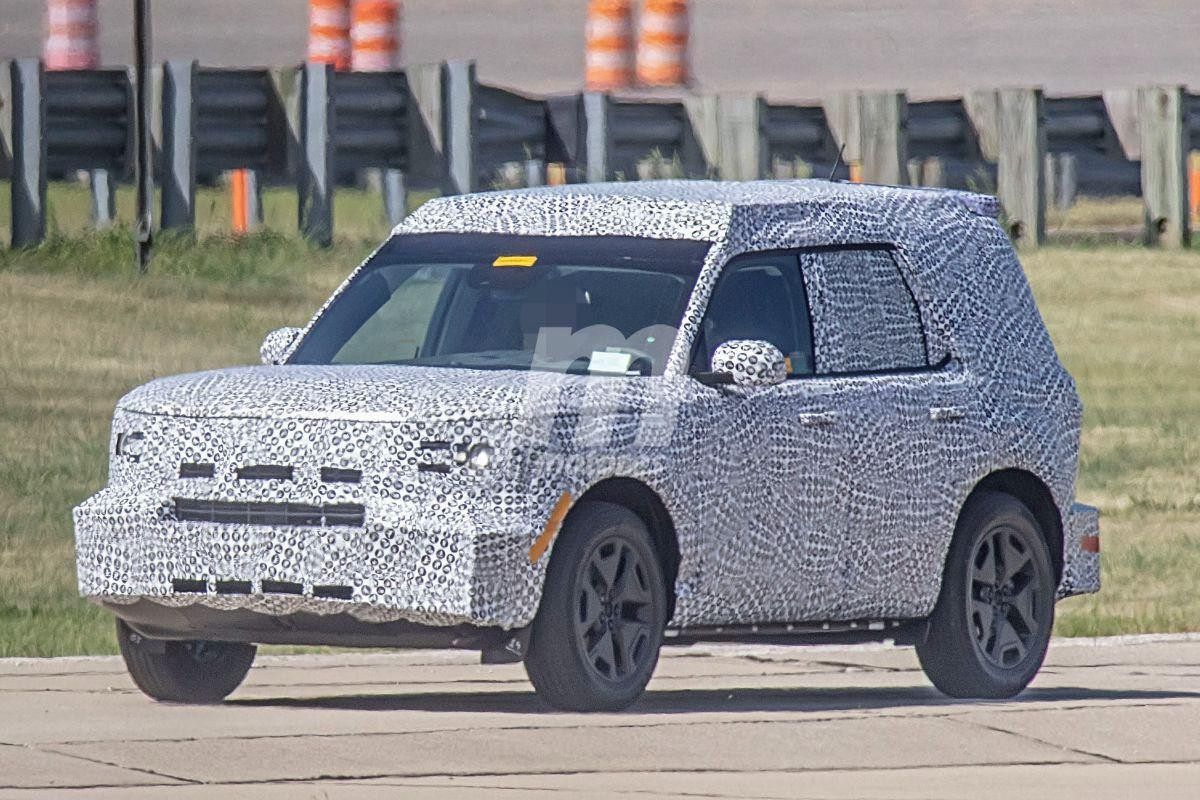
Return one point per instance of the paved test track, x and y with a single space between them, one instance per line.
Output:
791 49
1105 719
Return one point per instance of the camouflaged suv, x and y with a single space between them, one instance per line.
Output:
569 425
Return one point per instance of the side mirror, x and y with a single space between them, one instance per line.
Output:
750 362
277 345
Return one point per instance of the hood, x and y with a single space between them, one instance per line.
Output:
377 393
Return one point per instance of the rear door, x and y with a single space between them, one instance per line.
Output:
903 412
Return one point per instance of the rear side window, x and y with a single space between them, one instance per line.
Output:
864 316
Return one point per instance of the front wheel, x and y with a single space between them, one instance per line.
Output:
184 672
595 640
990 629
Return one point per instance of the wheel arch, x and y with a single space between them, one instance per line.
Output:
1035 495
646 503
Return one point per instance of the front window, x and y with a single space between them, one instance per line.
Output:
606 305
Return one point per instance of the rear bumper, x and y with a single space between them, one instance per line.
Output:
1081 551
403 564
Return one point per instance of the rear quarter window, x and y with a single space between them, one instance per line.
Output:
864 316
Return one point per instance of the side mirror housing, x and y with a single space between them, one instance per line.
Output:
750 362
277 345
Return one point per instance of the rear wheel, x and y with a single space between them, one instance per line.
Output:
991 626
184 672
596 637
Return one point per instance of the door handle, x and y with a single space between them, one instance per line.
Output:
947 413
815 419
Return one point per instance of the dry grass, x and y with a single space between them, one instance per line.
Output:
76 333
357 214
1127 322
72 344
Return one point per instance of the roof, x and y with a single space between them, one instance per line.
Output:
668 209
760 193
699 210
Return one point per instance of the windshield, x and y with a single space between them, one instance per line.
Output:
589 304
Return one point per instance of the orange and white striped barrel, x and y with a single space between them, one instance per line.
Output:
609 60
375 35
662 57
72 35
329 32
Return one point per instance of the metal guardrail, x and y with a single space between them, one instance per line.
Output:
88 120
435 127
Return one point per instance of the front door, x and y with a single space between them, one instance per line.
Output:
768 496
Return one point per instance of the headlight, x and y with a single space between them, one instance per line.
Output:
129 445
480 456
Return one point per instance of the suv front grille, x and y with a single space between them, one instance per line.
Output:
299 514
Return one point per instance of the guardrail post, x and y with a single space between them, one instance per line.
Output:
703 116
395 196
731 132
178 146
741 118
1017 119
1011 128
535 172
883 137
1164 150
315 180
597 137
461 116
104 198
426 145
28 148
285 117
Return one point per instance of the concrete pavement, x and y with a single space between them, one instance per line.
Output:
1105 719
790 49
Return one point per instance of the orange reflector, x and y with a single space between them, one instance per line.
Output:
515 261
1090 544
557 515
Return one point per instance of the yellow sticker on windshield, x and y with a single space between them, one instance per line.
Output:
514 261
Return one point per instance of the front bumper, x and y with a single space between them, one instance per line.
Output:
406 562
1081 552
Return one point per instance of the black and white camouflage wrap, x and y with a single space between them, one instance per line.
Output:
751 363
821 498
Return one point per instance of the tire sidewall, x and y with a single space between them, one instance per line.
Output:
557 662
951 655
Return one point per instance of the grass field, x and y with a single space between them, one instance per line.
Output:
76 332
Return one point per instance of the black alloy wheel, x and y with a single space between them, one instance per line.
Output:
595 640
991 626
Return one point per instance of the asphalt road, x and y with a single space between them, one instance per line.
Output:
1105 719
791 49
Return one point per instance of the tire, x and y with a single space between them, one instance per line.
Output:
184 672
990 628
595 640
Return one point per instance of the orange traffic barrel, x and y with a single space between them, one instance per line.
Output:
72 35
375 35
329 32
662 58
609 60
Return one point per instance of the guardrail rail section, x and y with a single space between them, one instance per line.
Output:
435 127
